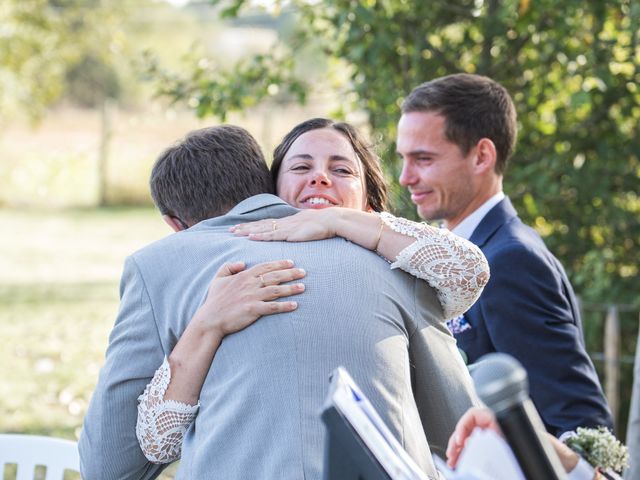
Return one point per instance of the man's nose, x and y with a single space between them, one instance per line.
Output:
407 176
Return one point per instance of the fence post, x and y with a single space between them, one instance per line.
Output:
103 153
612 359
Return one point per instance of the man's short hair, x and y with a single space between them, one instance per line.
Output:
474 107
207 173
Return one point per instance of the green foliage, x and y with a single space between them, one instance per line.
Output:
212 91
49 48
572 68
31 54
90 80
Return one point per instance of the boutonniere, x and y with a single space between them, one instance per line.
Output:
600 448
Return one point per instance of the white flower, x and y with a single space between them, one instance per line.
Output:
600 448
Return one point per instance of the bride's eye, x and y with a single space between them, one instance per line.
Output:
343 171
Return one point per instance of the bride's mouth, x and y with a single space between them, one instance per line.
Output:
316 201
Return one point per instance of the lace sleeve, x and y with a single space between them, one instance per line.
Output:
455 267
162 424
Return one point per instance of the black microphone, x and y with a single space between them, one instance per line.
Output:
502 384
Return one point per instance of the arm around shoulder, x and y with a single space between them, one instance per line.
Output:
456 268
452 266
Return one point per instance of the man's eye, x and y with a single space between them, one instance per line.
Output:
424 159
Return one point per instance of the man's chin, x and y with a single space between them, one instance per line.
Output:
429 215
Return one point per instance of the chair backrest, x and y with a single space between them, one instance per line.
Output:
28 451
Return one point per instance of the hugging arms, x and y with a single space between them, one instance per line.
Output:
319 166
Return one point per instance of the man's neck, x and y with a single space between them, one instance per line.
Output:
467 226
489 191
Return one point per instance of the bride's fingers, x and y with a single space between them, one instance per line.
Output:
282 276
267 267
268 236
230 268
269 308
260 226
279 291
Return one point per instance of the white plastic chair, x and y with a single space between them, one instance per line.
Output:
28 451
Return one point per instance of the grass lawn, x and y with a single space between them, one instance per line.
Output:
59 274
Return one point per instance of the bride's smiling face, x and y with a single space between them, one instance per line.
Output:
320 170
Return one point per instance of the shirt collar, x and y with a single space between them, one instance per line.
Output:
466 227
257 201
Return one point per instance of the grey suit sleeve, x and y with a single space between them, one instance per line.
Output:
442 385
108 445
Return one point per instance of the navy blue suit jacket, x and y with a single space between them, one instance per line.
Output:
529 310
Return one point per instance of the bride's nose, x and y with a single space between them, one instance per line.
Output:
319 177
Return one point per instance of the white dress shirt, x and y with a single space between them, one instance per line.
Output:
582 471
467 226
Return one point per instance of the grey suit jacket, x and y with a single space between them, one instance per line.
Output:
260 403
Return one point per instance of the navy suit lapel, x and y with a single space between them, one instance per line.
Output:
492 221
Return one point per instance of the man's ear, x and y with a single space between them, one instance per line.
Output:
173 222
485 156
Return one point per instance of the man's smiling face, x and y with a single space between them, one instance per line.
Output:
438 175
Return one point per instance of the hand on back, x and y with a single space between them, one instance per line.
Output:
238 297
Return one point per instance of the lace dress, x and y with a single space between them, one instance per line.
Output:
453 266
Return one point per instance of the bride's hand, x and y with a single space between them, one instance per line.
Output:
238 297
304 226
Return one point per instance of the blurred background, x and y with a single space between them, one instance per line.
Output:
91 91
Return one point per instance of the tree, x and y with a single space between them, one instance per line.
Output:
31 53
572 69
49 48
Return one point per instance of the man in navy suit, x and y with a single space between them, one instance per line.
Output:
455 137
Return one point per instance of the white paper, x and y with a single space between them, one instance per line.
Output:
486 456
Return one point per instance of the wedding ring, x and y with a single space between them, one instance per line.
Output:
262 283
274 225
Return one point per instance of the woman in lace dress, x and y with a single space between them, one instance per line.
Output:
319 165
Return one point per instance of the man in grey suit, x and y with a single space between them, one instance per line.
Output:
260 402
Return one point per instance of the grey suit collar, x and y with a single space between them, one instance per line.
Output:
253 208
493 220
256 202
